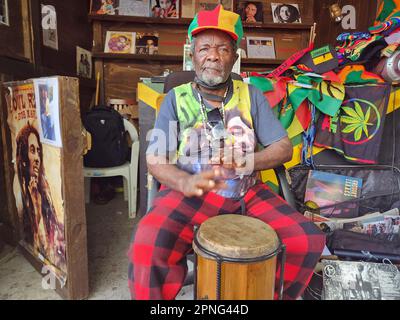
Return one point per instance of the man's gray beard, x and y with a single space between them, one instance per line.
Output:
212 81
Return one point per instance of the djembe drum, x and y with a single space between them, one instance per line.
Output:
236 258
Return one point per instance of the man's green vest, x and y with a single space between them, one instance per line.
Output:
194 149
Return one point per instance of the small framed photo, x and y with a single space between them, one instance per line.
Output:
237 65
286 13
165 9
187 59
138 8
261 48
147 42
4 18
211 4
105 7
48 110
251 12
83 63
227 4
120 42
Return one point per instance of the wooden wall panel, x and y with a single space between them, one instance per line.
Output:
73 190
328 30
15 38
121 77
73 30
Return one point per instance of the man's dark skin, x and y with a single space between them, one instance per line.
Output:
214 57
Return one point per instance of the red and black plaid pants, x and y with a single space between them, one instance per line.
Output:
163 238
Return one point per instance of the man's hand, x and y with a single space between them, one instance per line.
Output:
198 184
230 158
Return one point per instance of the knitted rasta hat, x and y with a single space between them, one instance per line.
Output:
218 19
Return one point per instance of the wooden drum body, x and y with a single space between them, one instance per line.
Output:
236 259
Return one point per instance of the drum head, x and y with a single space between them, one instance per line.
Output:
237 236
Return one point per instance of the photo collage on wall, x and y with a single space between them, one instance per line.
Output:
157 42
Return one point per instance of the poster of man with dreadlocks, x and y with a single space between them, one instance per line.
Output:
37 181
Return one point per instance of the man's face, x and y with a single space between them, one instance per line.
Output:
164 4
251 10
34 155
213 57
285 13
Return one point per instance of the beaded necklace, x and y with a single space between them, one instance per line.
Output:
217 132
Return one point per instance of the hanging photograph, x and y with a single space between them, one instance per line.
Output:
47 110
83 63
37 182
260 47
105 7
206 5
147 42
49 25
227 4
250 11
138 8
286 13
187 59
120 42
165 8
237 65
4 13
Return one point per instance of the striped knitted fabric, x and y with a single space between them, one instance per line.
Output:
219 19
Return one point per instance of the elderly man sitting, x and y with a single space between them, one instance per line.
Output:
208 166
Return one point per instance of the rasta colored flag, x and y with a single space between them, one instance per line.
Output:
356 74
356 131
387 9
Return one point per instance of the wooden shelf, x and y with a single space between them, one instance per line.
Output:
187 21
138 20
140 57
282 26
254 61
144 57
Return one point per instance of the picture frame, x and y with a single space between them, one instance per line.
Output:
104 7
84 63
165 9
48 110
261 47
137 8
236 67
146 43
4 16
191 7
120 42
187 59
285 13
251 12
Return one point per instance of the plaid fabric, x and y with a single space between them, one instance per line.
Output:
164 236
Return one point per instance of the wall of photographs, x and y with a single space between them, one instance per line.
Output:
142 38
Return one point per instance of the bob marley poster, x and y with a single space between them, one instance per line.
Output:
37 180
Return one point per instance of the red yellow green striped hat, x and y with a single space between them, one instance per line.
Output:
219 19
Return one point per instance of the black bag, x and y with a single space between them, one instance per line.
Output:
109 145
352 245
380 189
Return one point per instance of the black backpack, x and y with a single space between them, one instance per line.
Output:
109 145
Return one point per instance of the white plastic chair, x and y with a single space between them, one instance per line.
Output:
128 170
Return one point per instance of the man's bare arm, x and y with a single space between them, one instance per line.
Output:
274 155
